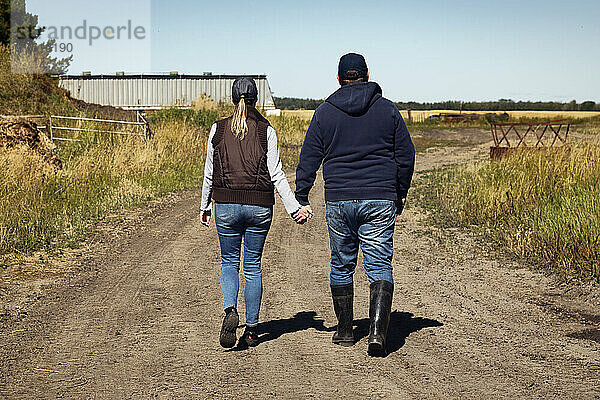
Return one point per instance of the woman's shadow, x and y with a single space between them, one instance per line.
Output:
273 329
402 324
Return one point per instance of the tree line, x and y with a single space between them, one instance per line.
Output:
292 103
501 105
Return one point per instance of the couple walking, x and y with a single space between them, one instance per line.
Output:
368 162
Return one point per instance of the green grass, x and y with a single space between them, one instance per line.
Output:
541 205
424 143
201 119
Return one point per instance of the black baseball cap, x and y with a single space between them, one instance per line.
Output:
352 62
244 87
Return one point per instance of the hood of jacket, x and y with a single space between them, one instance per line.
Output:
356 98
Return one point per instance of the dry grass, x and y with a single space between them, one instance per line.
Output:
290 133
543 205
205 103
45 208
25 94
302 114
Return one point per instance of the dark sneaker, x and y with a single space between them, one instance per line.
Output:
227 337
249 338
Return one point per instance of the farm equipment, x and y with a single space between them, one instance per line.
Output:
465 117
508 137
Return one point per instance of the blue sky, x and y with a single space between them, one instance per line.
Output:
422 51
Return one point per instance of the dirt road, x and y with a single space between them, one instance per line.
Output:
140 319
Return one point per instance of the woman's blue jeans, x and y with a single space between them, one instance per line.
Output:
252 223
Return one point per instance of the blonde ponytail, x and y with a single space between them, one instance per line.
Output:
239 126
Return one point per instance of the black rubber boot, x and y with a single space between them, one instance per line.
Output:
343 304
227 337
379 314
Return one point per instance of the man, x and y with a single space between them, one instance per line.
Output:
368 162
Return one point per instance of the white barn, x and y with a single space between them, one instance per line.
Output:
155 91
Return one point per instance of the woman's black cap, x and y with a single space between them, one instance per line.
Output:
352 62
244 87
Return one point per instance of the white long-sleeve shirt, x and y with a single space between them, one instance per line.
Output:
275 170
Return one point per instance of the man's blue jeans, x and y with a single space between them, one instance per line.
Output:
252 223
365 223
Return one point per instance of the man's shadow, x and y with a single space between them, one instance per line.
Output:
402 324
303 320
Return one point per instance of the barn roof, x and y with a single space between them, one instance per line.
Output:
161 76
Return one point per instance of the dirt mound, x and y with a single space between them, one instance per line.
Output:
103 112
16 131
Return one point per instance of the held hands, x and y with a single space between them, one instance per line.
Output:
303 214
205 217
400 205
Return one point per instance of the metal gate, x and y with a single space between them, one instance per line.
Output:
537 135
57 124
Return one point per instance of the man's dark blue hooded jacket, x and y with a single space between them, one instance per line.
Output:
362 141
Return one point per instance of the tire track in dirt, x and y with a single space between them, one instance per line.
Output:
141 320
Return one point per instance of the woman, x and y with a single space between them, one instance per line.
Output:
241 171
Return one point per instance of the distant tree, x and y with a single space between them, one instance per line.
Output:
571 106
587 106
5 22
292 103
21 34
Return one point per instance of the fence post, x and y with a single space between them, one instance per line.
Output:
137 126
50 127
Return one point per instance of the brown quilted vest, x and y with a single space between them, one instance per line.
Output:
240 172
